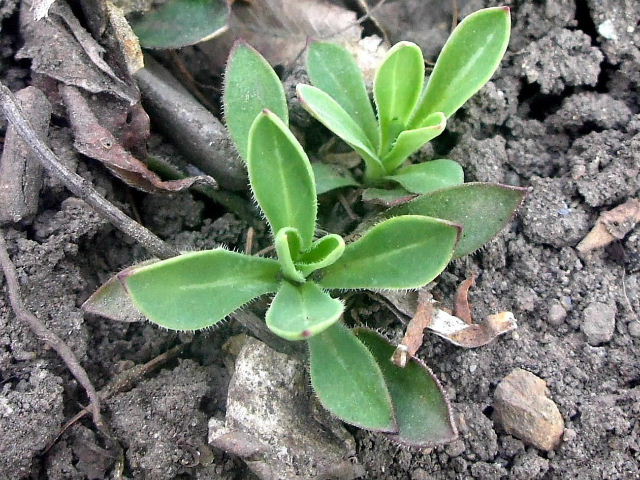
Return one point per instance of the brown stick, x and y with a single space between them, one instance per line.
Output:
78 185
46 335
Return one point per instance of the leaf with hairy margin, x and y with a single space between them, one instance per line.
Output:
333 69
348 381
402 252
197 290
281 177
302 311
250 86
422 410
467 61
483 209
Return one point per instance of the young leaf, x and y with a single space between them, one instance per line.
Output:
482 209
328 112
328 178
348 381
197 290
323 253
429 176
287 243
402 252
422 410
397 87
302 311
178 23
281 177
467 61
410 141
332 69
250 86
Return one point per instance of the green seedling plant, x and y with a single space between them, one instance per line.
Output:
350 369
410 113
196 290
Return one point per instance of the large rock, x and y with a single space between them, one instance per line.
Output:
272 424
524 410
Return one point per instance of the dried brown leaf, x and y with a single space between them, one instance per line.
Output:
462 308
462 334
95 141
61 48
414 333
442 323
612 225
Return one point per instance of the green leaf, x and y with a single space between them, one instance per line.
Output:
410 141
250 86
429 176
422 410
302 311
402 252
197 290
348 381
467 61
332 69
482 209
328 178
386 197
112 301
322 253
178 23
397 87
287 243
281 177
328 112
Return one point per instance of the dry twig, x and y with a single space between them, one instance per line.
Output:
46 335
78 185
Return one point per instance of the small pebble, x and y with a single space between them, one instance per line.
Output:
524 410
598 322
634 328
557 314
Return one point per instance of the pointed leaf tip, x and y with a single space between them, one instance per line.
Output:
196 290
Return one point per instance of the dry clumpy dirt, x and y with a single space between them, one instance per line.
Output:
561 116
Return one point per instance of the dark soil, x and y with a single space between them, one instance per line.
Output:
561 116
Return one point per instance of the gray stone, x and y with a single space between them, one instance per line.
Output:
524 410
272 424
598 322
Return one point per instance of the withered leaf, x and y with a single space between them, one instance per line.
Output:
462 307
61 48
95 141
462 334
612 225
414 332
